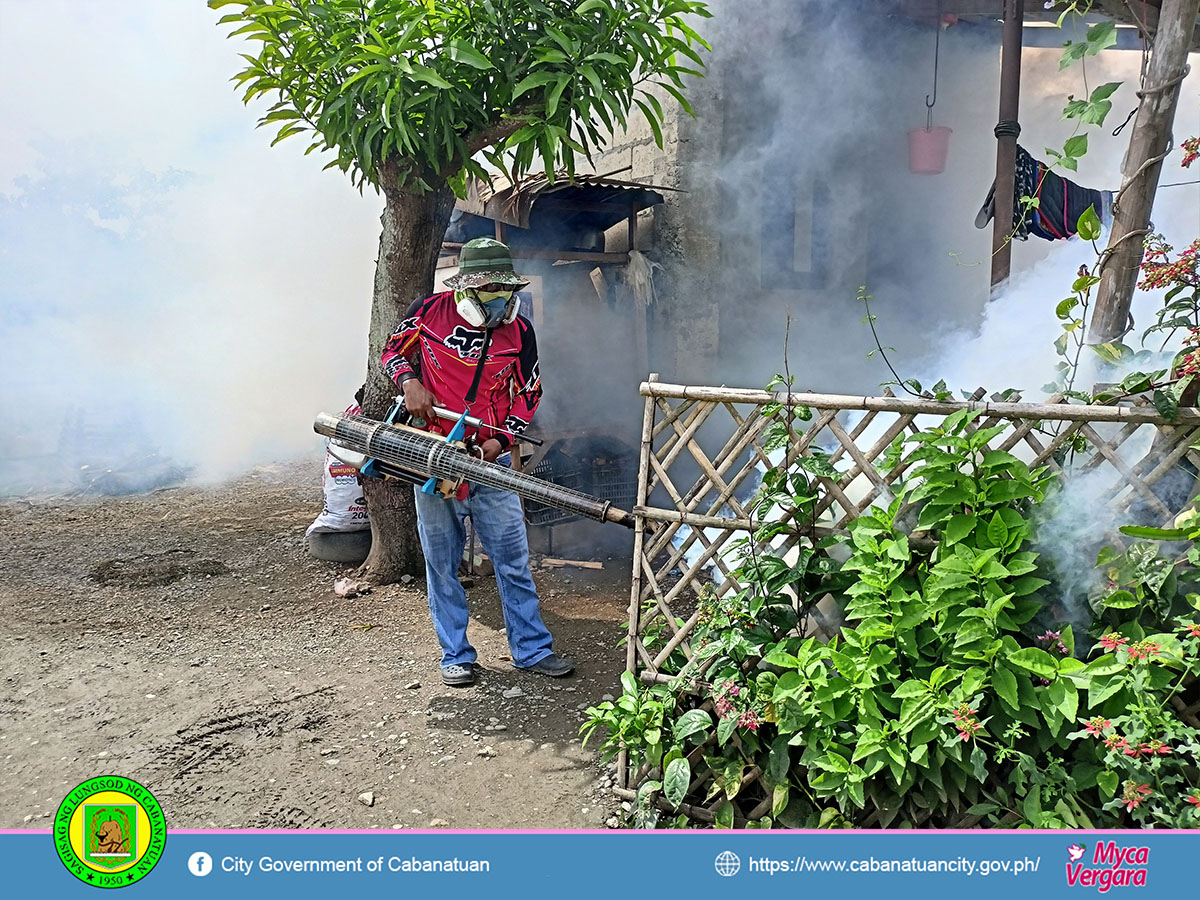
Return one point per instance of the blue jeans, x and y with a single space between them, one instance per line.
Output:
497 518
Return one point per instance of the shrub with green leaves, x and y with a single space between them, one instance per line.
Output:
939 701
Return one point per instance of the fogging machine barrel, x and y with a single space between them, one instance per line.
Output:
430 456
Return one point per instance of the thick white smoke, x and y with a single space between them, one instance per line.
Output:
167 280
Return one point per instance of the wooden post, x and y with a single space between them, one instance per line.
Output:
1148 144
1007 129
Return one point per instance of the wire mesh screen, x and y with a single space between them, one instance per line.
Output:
598 465
559 469
615 480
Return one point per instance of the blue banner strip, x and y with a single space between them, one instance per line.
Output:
610 865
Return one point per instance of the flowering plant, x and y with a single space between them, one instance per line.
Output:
1148 754
1191 150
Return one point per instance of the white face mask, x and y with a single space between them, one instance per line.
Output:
486 309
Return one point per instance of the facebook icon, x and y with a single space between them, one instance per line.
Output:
200 864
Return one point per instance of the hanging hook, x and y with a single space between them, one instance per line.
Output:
937 45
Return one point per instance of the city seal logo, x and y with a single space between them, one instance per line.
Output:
110 831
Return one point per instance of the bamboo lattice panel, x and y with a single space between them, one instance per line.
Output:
703 452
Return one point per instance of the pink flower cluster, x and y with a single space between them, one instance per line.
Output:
966 722
1159 271
1051 640
1191 150
1113 640
1134 795
1144 650
724 696
1122 745
728 705
1141 650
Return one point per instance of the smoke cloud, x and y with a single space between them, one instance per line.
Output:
169 283
167 276
803 122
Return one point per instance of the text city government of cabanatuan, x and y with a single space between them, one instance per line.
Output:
270 865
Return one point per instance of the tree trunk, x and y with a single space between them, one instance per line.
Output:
413 228
1139 181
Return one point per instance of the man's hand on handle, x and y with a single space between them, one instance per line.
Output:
418 399
491 449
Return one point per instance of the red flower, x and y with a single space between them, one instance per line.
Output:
1191 151
1194 800
1144 650
1134 795
1115 742
1113 640
1193 630
966 723
1097 725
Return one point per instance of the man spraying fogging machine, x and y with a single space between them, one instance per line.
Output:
468 349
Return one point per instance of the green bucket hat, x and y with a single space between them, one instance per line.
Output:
484 261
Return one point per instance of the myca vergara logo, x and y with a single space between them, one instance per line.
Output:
110 831
1107 867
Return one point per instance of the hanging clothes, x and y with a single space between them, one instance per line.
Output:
1060 202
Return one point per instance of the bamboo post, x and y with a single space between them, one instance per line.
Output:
1005 410
1148 145
635 582
639 529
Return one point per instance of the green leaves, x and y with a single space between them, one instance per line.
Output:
1095 109
997 531
1157 534
959 526
1108 782
914 711
1099 37
412 91
694 721
1035 660
1074 148
1006 687
1088 226
529 82
1120 600
676 781
462 52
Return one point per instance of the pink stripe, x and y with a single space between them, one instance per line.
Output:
1067 833
858 832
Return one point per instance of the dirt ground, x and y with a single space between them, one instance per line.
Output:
185 639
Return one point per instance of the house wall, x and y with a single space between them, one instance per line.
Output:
796 192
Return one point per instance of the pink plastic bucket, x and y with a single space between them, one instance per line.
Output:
927 149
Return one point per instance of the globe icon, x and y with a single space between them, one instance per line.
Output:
727 863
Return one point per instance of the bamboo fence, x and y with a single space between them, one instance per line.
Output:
702 452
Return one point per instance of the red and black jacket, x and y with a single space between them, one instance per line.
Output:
437 344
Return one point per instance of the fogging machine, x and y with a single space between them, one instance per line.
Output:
444 464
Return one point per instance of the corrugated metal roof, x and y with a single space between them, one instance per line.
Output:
601 199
